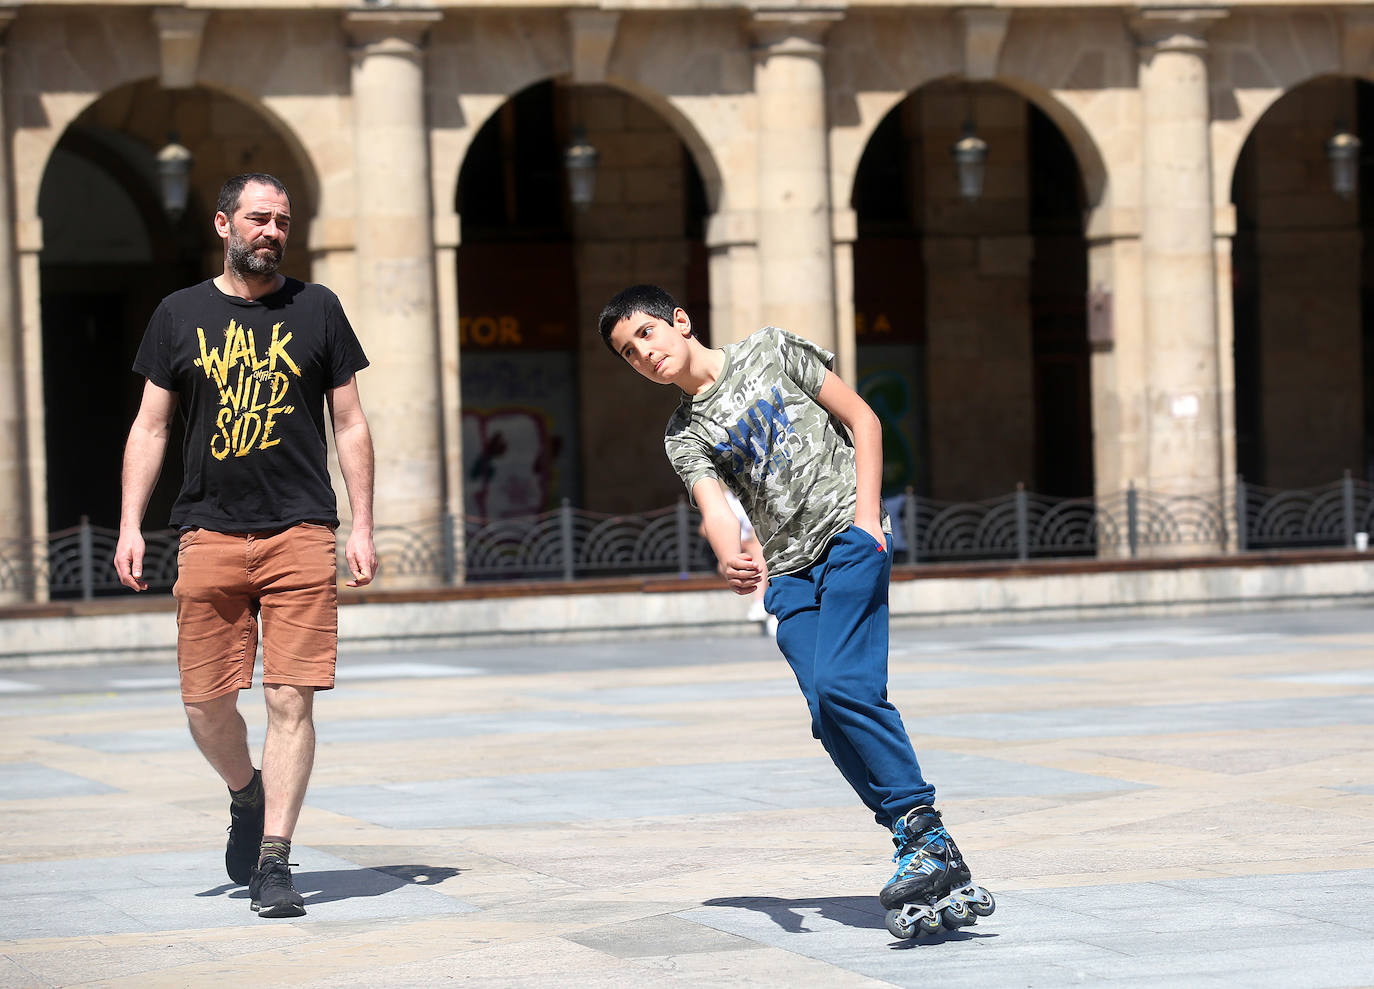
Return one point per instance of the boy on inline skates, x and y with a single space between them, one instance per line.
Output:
763 418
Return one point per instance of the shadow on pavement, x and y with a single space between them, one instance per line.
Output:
350 884
790 915
943 937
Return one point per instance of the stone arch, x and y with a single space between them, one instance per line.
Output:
40 144
972 312
1092 166
878 60
540 395
1256 59
688 130
1231 137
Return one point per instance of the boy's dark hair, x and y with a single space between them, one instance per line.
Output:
648 299
232 190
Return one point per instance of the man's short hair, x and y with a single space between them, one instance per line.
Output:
648 299
232 190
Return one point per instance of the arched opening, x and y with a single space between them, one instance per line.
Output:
110 254
971 314
545 406
1302 263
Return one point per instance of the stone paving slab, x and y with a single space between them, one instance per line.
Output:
1153 804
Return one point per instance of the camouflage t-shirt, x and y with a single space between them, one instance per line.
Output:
760 431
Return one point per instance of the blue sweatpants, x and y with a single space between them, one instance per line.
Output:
832 627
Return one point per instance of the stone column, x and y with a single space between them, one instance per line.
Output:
732 239
1183 393
796 275
14 507
1118 370
447 237
395 309
845 230
1224 227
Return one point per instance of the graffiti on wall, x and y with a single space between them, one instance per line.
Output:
519 433
888 381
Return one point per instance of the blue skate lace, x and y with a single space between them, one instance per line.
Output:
903 856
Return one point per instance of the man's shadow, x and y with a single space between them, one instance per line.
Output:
351 884
863 912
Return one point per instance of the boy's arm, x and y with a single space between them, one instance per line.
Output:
142 463
740 570
844 404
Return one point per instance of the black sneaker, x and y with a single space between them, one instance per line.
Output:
245 841
271 893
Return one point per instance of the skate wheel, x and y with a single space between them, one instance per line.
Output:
898 926
956 915
929 925
983 904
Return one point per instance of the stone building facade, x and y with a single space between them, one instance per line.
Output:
1157 286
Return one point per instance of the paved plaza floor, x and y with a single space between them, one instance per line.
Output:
1153 802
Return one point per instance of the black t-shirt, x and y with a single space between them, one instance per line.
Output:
251 376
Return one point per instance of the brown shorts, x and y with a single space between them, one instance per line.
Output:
225 579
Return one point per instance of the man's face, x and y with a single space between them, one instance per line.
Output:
256 234
653 346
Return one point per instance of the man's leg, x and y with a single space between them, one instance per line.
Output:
217 641
288 755
222 737
299 646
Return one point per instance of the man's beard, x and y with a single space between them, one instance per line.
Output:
246 262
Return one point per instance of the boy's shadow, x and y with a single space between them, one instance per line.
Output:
862 912
350 884
851 911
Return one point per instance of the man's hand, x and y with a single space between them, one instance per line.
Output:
361 555
742 573
128 559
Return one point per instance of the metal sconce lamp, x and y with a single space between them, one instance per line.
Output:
970 162
1343 153
579 160
173 177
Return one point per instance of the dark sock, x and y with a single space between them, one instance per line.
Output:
250 795
276 846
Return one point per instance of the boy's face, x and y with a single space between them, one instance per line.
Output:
652 346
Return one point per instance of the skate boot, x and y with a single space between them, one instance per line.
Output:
932 887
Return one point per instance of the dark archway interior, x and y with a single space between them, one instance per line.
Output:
532 270
1303 293
907 210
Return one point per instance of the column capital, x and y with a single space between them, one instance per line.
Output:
1181 29
730 228
792 30
389 31
844 225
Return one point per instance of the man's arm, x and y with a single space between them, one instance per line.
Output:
354 443
740 570
844 404
142 463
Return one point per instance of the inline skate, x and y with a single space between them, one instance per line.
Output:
932 887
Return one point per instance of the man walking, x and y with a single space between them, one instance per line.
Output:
251 357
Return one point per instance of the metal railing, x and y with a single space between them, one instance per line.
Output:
570 543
